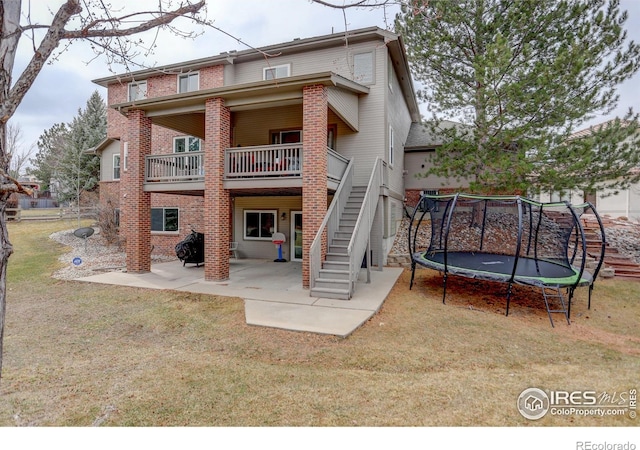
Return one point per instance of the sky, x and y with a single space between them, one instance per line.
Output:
64 86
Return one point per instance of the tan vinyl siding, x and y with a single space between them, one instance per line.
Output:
264 249
106 161
370 141
345 104
400 119
255 127
418 163
338 60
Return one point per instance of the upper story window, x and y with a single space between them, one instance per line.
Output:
137 90
188 82
363 67
186 144
273 72
116 167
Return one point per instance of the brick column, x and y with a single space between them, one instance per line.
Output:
216 215
135 216
314 169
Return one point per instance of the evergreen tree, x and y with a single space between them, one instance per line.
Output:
51 145
78 171
524 76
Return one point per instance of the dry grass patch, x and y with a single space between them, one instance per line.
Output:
79 354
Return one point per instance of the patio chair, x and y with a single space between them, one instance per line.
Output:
233 249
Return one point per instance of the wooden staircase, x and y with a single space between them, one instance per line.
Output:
333 280
623 266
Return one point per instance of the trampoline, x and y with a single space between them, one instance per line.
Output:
508 239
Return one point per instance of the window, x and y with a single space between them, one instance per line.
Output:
164 219
137 90
391 149
363 67
260 225
186 144
126 156
189 82
271 73
286 137
116 167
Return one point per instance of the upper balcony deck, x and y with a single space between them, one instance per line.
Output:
257 167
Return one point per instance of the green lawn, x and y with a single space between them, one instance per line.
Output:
78 354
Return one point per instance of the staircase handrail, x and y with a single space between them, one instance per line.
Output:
330 223
359 240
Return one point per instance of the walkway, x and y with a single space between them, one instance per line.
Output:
272 293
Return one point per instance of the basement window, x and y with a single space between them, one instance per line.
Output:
164 219
260 224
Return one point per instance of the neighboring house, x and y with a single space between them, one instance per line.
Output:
614 203
419 149
243 145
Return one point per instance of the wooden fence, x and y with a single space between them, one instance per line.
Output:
19 214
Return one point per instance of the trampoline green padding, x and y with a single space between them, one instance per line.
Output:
508 239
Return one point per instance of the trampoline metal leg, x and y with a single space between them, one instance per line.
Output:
508 298
413 274
590 290
444 288
569 297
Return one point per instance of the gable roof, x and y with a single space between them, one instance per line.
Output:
421 136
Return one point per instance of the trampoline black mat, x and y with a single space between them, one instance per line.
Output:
495 267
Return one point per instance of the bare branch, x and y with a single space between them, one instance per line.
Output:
358 4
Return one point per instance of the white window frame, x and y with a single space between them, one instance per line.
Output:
189 76
274 212
362 78
391 147
187 143
276 71
126 156
164 220
116 166
137 85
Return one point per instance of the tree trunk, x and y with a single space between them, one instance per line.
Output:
9 20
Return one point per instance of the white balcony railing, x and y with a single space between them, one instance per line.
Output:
263 161
175 167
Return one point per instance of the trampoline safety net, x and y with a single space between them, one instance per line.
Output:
510 239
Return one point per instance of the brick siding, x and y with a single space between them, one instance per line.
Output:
314 170
217 202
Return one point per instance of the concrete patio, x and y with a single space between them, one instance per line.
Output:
272 292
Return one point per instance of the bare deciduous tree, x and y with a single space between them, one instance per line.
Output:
87 20
19 155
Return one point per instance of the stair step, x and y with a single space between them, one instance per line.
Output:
342 235
334 274
332 283
340 294
335 265
338 249
341 241
342 257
